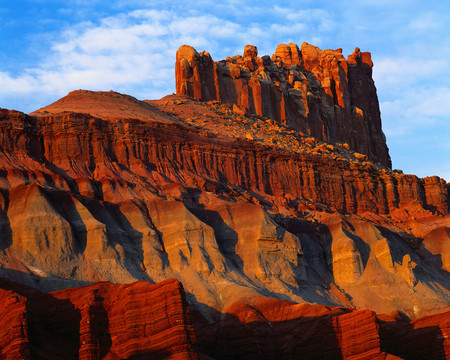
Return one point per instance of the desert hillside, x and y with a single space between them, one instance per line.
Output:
263 189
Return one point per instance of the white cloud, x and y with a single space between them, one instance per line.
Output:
414 110
401 72
131 50
425 22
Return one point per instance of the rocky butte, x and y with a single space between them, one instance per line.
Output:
253 215
310 90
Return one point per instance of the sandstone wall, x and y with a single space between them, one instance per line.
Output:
134 321
84 145
315 91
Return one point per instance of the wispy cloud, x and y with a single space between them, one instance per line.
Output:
137 49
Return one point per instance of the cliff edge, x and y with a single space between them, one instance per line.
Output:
317 92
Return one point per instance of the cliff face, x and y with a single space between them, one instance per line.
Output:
310 90
267 328
321 175
177 194
101 321
235 206
142 321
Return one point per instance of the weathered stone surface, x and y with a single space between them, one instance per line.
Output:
100 321
314 91
267 328
424 338
346 186
101 186
186 194
142 320
14 340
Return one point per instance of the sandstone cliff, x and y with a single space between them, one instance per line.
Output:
263 328
248 211
231 205
315 91
101 321
143 321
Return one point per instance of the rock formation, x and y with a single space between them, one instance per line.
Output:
265 328
314 91
176 194
252 214
101 321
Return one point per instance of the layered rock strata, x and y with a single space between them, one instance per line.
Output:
265 328
424 338
178 195
170 150
269 328
101 321
142 320
113 198
314 91
232 205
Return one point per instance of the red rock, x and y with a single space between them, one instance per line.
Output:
344 186
313 91
14 341
269 328
104 320
250 51
424 338
289 54
102 186
142 320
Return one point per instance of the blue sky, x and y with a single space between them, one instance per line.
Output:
48 48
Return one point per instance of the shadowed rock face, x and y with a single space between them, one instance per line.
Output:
142 321
314 91
267 328
101 321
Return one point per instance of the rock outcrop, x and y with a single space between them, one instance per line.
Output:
142 320
353 187
236 200
265 328
175 194
269 328
100 321
424 338
314 91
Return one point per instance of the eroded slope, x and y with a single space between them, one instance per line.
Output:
87 199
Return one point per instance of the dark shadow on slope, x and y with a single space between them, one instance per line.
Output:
301 338
225 236
51 283
118 228
63 202
224 336
429 270
153 355
402 339
100 326
5 226
53 325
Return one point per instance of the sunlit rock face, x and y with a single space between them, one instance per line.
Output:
254 217
180 191
100 321
317 92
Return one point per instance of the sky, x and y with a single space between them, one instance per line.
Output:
51 47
